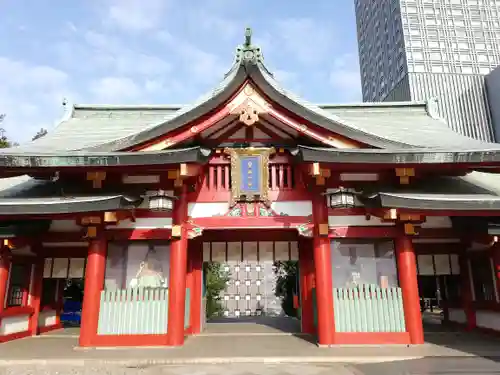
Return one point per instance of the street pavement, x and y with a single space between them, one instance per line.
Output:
427 366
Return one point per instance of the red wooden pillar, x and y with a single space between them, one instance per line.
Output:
36 294
177 282
189 285
466 292
323 272
94 281
407 270
196 257
4 275
306 272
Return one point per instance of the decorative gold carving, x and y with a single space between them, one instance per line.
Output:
323 229
320 180
172 174
391 214
315 169
249 90
88 220
248 104
306 229
193 230
326 173
404 175
111 217
97 178
91 232
176 231
237 193
7 243
410 217
249 114
409 229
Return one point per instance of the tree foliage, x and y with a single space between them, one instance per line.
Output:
215 283
42 132
286 285
4 142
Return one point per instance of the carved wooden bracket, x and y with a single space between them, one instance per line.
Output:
404 175
306 229
193 230
97 178
248 104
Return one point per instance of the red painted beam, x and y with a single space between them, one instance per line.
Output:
170 140
229 222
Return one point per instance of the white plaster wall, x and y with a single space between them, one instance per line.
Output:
437 222
488 319
356 221
144 223
14 324
47 318
292 208
207 209
457 315
64 226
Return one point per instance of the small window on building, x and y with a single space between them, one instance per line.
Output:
482 278
19 284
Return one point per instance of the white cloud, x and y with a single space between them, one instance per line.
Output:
345 77
104 53
31 96
200 65
115 90
305 39
136 15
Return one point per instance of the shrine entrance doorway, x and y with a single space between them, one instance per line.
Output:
260 290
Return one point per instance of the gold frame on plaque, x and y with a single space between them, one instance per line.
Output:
237 195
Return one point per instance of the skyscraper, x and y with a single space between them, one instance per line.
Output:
420 49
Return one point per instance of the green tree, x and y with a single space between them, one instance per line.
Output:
42 132
286 284
215 283
4 142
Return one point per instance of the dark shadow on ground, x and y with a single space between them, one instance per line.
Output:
455 337
428 366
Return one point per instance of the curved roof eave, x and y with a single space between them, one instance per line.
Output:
234 79
261 76
103 159
396 156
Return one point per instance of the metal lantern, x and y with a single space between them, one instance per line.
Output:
160 201
341 198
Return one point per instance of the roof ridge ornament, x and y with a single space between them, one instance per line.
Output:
248 52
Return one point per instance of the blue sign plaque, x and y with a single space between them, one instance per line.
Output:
250 174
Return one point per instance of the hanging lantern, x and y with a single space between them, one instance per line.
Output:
160 201
341 198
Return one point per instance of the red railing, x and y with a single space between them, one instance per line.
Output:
218 177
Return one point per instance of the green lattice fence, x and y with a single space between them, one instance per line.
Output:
369 308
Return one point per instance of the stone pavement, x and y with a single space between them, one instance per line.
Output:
274 348
426 366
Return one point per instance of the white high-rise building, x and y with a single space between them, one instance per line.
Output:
420 49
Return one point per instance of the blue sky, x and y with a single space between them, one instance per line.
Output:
163 51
